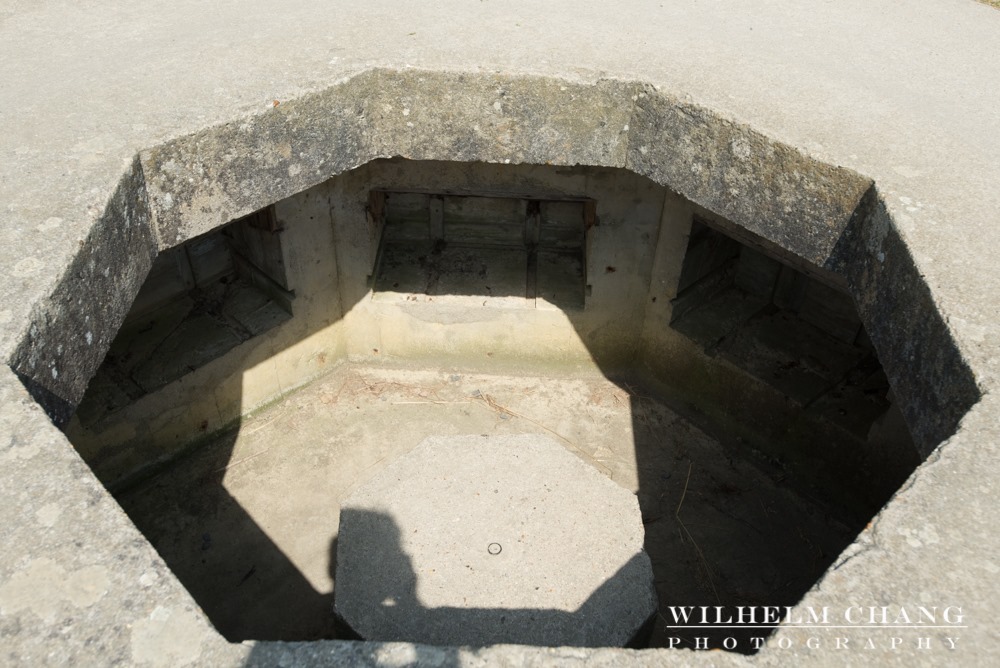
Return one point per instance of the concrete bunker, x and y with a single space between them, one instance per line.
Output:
641 339
660 284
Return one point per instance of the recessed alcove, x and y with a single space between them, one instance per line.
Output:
737 395
200 300
797 335
518 251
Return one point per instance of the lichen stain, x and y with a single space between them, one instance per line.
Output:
167 637
44 586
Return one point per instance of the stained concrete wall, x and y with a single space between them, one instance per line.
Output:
482 332
161 424
329 248
634 255
852 473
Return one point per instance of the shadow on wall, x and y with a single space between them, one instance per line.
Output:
246 585
711 541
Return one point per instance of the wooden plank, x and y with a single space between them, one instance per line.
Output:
260 246
790 289
501 193
708 251
589 214
162 284
209 258
748 238
375 215
490 225
406 207
406 230
563 225
376 206
185 272
253 275
436 213
832 311
532 223
264 219
492 221
756 273
701 292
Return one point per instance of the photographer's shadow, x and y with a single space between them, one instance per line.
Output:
375 599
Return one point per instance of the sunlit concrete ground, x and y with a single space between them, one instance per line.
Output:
249 521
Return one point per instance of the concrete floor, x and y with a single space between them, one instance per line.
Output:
249 521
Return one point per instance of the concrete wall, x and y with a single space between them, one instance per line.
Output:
329 249
487 333
634 256
160 425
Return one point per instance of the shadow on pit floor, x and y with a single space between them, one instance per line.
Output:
716 531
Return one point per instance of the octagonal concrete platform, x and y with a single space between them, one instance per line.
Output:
480 540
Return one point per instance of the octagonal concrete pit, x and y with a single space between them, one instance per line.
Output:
718 330
475 540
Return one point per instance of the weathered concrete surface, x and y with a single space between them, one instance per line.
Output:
295 655
902 96
932 543
68 335
327 237
75 566
160 424
206 179
248 522
481 540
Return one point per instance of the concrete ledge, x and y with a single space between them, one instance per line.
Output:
472 540
74 558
